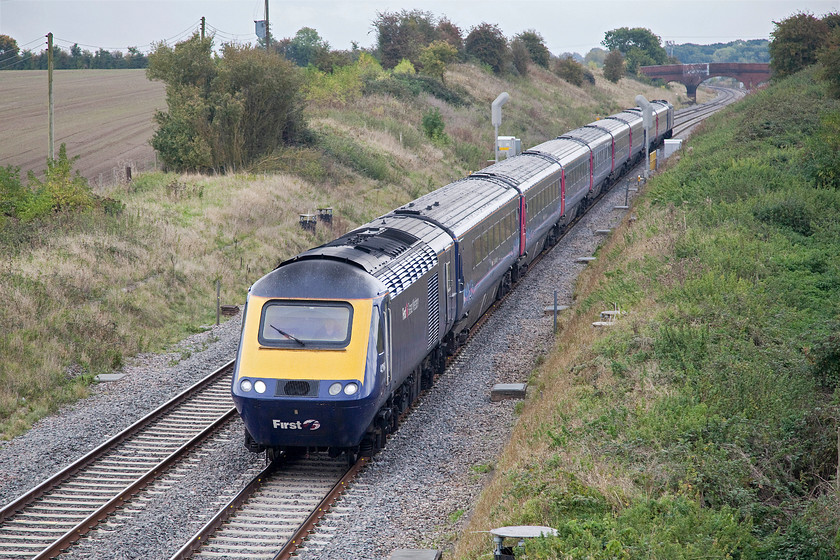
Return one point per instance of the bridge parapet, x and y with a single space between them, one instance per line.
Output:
692 75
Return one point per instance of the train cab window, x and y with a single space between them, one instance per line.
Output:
293 324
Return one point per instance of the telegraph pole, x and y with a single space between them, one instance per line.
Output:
267 30
202 27
51 150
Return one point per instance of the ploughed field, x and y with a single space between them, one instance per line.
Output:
103 116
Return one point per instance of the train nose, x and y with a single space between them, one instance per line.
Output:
303 423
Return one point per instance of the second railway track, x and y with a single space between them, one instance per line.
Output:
51 516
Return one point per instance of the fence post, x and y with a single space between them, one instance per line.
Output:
218 299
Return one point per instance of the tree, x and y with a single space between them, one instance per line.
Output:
639 46
451 33
403 35
570 70
795 43
596 56
487 43
614 66
829 59
535 44
223 112
305 47
8 50
436 57
520 55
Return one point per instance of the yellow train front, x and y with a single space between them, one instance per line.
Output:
307 362
323 363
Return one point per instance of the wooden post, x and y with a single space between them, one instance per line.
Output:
218 299
267 30
51 151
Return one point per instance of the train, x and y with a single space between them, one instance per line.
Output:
338 341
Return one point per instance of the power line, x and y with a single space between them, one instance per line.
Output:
193 26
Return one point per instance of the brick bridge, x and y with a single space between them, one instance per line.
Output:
692 75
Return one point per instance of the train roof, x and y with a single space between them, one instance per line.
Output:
630 117
522 171
593 137
459 206
612 125
562 150
394 250
316 279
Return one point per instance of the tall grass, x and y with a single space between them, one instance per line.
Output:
704 424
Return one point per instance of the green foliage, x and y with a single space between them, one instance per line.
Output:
829 59
614 66
355 155
402 35
570 70
404 67
60 191
639 46
520 56
488 45
436 57
795 43
751 51
406 87
535 45
304 48
822 154
433 124
342 85
13 194
224 112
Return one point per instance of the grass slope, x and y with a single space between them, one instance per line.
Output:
704 424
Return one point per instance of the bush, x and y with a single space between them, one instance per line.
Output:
822 154
224 112
487 43
614 66
433 124
570 71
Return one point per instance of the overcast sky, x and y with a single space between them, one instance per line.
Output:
566 25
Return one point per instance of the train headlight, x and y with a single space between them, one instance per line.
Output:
351 389
259 386
335 389
245 385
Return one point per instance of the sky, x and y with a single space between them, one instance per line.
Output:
566 25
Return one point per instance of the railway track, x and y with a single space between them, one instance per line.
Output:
60 510
276 511
686 119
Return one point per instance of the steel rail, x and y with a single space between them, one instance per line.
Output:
73 501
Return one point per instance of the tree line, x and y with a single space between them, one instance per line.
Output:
12 58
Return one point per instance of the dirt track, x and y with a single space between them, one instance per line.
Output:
103 116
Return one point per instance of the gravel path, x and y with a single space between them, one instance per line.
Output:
417 493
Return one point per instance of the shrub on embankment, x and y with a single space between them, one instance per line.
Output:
705 422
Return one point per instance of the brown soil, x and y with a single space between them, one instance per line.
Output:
103 116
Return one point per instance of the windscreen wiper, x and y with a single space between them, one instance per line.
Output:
287 335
